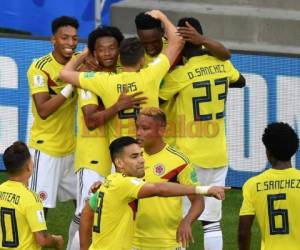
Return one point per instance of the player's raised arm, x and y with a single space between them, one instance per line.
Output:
174 189
69 73
44 239
175 41
190 34
95 118
45 104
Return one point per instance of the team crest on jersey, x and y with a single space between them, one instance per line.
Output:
43 195
159 169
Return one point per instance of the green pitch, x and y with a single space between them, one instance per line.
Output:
60 217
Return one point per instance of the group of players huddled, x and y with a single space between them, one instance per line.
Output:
150 124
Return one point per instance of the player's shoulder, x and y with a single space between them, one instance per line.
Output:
176 154
251 182
33 197
160 59
41 62
295 172
120 180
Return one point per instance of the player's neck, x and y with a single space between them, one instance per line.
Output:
109 69
60 59
280 165
193 53
21 179
155 147
131 68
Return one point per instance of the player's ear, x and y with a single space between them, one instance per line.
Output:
142 61
53 40
29 166
118 163
162 131
94 53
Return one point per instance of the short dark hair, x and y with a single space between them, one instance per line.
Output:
15 157
64 21
117 146
144 21
192 21
131 51
104 31
156 114
189 47
280 140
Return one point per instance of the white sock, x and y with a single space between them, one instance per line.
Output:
74 227
213 239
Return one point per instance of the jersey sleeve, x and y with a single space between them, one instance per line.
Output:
188 176
86 97
247 205
37 79
233 73
157 70
170 85
35 217
93 81
131 187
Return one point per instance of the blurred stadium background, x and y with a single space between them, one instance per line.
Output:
262 34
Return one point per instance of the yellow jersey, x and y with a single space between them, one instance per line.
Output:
158 217
109 86
201 87
168 106
115 207
55 135
273 197
92 146
21 215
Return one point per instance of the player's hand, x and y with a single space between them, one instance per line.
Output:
190 34
184 233
130 101
95 187
218 192
157 14
59 241
90 64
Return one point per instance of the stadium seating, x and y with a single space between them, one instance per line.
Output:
259 25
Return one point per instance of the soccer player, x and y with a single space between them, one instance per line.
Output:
151 35
132 79
92 160
113 207
159 222
201 87
273 196
52 134
22 217
52 138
